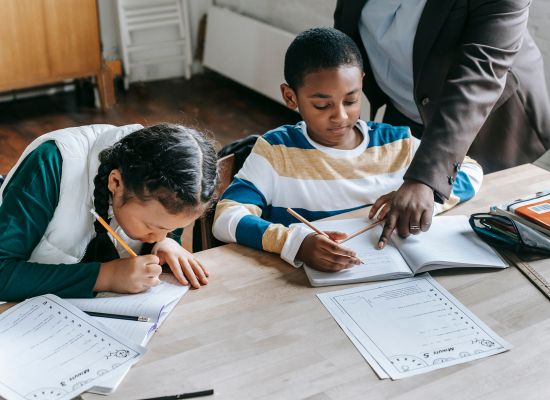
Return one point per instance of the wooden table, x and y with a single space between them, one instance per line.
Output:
258 331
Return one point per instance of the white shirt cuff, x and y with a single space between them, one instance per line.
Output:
292 244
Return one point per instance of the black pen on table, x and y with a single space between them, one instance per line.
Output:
188 395
118 316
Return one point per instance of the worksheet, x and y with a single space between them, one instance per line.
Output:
411 326
49 349
155 303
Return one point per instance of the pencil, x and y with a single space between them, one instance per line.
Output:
118 316
189 395
360 231
112 232
305 221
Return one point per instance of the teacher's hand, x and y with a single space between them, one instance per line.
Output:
409 211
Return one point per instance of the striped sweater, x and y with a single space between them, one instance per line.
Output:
286 168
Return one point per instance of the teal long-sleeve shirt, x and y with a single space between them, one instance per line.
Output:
28 205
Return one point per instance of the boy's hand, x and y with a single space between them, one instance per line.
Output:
185 267
325 254
129 275
410 211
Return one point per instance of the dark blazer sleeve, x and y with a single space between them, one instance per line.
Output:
491 38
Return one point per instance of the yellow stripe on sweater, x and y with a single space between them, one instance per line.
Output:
451 202
226 203
274 237
316 165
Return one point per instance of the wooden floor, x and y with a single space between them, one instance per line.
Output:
208 102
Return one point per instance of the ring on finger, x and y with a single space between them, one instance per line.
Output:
414 227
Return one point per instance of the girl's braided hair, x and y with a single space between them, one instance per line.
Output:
172 164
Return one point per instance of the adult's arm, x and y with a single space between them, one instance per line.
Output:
475 81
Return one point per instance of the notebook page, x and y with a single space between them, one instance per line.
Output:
449 242
156 304
378 264
135 331
150 303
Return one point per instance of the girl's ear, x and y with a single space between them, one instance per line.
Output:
115 182
289 96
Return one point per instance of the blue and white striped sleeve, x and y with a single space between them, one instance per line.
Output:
238 216
466 185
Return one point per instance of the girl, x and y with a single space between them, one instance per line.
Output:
145 182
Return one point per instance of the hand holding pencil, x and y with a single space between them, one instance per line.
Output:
323 251
127 275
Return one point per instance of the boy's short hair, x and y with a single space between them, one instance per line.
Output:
319 48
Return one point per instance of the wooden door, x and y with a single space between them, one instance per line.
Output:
45 41
72 28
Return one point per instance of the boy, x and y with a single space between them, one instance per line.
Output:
330 163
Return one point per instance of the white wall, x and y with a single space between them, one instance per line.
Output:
294 16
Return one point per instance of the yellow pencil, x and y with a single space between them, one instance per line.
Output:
112 232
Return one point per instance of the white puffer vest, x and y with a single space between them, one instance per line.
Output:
71 227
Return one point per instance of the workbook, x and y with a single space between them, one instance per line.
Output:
154 304
450 243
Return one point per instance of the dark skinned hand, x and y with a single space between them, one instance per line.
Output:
409 210
325 254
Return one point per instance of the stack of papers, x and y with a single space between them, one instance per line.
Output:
156 303
50 349
410 326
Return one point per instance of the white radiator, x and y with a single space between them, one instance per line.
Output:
249 51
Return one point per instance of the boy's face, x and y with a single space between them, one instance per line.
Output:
329 101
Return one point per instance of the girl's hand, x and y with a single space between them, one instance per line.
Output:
185 267
324 254
129 275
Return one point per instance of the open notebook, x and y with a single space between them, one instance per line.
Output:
450 243
156 303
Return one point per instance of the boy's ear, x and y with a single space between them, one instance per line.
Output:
289 96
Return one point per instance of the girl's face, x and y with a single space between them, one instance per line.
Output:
146 221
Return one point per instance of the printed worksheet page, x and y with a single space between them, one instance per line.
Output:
411 326
49 349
